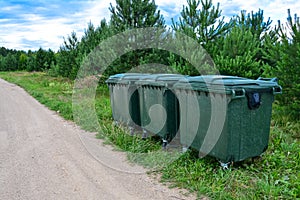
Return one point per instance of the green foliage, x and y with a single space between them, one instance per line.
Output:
285 55
275 175
181 66
22 61
237 56
43 59
203 24
128 14
91 40
254 22
53 70
201 21
240 53
12 60
67 55
93 36
30 64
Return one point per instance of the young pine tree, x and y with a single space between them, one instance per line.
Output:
128 14
202 21
134 14
237 55
288 66
67 57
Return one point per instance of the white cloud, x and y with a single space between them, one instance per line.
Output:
170 8
31 17
10 8
48 31
46 24
35 28
275 9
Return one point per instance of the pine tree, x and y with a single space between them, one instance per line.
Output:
31 61
254 22
237 55
260 28
132 14
40 59
128 14
202 21
92 38
67 59
10 62
22 61
288 65
2 67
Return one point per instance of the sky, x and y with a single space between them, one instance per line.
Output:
33 24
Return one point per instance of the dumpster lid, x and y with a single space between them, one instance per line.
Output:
160 79
236 86
125 78
215 80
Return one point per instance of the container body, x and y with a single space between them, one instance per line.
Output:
226 117
159 105
124 98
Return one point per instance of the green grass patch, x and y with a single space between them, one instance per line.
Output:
274 176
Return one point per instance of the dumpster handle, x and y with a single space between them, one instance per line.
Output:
275 79
237 93
277 90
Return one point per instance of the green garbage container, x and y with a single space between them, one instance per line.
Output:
124 99
226 117
159 105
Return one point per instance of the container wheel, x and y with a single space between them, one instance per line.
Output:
145 134
164 144
225 166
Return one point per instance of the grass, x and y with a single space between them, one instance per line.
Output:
274 176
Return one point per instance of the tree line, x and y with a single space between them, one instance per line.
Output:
247 45
41 60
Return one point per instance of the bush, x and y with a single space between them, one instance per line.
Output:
287 67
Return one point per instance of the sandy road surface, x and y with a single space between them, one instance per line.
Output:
43 157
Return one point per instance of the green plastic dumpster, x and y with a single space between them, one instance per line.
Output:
124 99
159 105
226 117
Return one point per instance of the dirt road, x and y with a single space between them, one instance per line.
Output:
43 156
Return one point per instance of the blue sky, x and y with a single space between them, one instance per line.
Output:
40 23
